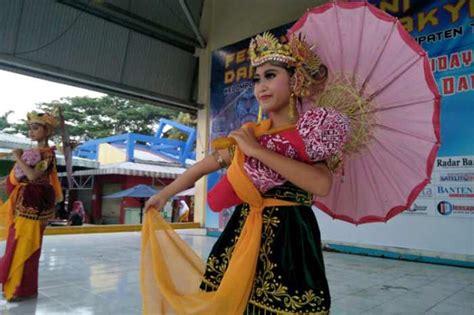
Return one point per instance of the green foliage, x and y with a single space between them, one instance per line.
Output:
185 119
91 118
5 126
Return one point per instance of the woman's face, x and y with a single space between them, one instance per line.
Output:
37 132
272 87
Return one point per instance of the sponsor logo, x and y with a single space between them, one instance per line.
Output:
447 208
457 177
463 208
418 208
444 208
456 191
426 193
455 162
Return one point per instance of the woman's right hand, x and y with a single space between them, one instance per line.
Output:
158 201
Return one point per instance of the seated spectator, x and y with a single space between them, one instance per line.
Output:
77 215
183 211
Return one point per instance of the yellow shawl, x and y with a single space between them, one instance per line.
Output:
171 271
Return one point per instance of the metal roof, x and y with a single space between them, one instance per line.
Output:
9 142
138 49
133 169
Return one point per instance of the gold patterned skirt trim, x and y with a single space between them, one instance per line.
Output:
255 308
32 213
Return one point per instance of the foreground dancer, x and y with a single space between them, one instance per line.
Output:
34 189
268 259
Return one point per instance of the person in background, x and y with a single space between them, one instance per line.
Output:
77 215
34 189
183 211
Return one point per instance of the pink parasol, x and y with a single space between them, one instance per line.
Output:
370 51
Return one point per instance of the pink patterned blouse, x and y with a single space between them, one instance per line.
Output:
319 134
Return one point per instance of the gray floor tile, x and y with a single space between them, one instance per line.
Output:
95 274
449 308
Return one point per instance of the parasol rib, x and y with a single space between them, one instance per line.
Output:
383 170
404 133
336 13
395 77
375 188
374 66
396 105
402 161
359 46
353 187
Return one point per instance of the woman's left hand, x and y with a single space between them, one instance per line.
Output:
246 141
17 153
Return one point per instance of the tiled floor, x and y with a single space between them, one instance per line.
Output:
98 274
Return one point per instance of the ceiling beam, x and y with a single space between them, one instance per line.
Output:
117 15
192 23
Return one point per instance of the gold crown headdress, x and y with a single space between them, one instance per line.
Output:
44 119
295 54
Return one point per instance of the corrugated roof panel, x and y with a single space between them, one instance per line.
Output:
9 142
14 142
8 24
167 13
40 23
91 46
133 169
158 66
164 12
70 42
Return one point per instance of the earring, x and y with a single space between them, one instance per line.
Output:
260 114
292 107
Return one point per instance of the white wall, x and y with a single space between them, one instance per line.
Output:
451 238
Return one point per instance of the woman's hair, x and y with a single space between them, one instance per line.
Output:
290 70
320 76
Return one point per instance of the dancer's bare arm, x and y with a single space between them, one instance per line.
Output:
186 180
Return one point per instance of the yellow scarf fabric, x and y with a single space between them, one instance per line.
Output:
171 272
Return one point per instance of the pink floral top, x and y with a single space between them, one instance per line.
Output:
319 134
31 157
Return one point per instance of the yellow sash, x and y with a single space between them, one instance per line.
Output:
171 271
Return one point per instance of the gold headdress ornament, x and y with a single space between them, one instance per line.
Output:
44 119
295 54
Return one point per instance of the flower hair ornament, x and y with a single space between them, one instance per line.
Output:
296 54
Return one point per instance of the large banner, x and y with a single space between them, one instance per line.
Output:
445 30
